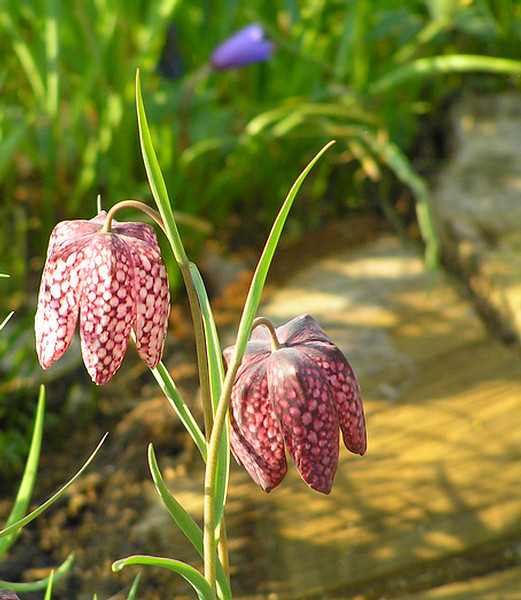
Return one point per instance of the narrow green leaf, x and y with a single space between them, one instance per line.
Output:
10 143
27 60
41 584
300 113
157 14
261 271
25 490
216 375
394 158
194 578
48 590
155 177
51 57
450 63
169 388
215 362
6 320
133 590
38 511
185 521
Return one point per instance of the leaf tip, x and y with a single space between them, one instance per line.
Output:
117 565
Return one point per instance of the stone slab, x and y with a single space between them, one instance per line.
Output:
478 205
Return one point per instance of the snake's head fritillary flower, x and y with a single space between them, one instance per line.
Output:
8 595
115 281
296 396
246 46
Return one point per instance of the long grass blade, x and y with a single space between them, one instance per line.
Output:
261 271
51 57
41 584
25 490
180 515
394 158
216 375
133 590
26 58
184 521
450 63
215 363
156 179
169 389
38 511
48 589
9 144
191 575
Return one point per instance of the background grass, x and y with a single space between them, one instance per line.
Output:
372 74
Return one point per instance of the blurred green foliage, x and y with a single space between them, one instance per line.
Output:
228 143
367 73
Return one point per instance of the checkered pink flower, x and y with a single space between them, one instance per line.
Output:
296 396
115 281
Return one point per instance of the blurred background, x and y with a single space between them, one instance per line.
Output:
375 75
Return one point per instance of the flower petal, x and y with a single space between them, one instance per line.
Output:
301 330
244 47
139 231
152 301
307 414
347 394
255 437
258 346
69 232
107 305
58 304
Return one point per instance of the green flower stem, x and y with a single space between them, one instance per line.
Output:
131 204
222 550
182 218
275 344
210 557
200 344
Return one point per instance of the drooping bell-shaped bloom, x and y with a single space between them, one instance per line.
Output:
115 281
245 47
297 396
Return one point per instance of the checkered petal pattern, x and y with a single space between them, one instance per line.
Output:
115 282
297 397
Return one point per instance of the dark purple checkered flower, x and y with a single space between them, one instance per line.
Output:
116 281
8 595
245 47
295 391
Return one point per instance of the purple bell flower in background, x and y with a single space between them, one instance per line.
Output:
245 47
115 281
295 392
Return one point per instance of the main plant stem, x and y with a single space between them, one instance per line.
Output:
210 556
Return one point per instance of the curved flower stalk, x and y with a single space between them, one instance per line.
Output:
294 389
115 281
245 47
